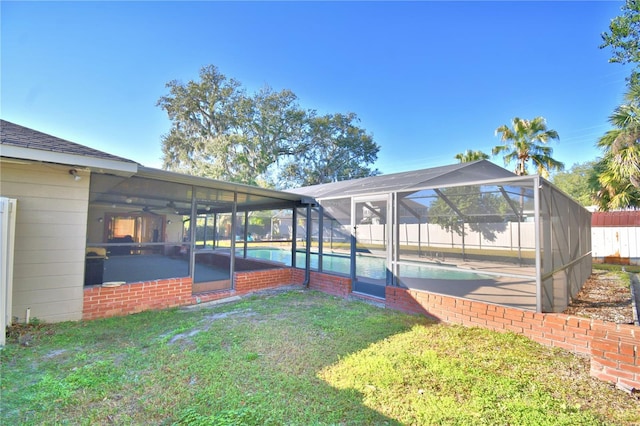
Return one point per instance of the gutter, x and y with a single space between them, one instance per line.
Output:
95 164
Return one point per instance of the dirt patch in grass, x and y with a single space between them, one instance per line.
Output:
28 334
605 296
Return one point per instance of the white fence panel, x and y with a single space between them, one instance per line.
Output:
432 235
616 244
7 232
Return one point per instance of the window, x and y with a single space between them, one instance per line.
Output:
139 228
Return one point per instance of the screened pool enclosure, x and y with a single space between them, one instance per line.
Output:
471 230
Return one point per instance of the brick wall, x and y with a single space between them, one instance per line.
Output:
614 349
331 284
102 302
615 354
247 282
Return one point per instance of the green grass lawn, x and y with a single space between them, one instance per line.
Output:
298 357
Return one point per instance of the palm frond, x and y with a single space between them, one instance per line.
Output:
526 139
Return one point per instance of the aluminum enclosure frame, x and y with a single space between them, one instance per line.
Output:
550 256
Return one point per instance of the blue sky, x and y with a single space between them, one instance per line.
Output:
427 79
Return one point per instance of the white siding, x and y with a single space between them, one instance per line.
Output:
51 223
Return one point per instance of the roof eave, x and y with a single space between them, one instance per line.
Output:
100 165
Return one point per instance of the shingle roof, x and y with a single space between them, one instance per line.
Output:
23 137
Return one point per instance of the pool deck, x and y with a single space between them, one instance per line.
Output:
502 284
499 291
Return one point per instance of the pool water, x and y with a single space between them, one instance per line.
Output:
366 266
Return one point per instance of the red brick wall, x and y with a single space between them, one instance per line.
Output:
614 348
102 302
331 284
247 282
615 354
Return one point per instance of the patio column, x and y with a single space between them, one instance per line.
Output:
537 219
294 233
320 236
393 253
232 254
353 241
245 233
192 234
307 266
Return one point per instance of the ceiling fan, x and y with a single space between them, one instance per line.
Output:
145 209
170 208
150 209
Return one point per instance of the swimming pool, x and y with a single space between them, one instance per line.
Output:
366 266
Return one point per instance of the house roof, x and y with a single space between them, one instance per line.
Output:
21 143
27 144
451 175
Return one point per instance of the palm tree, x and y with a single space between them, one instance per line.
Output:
469 156
619 168
526 140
